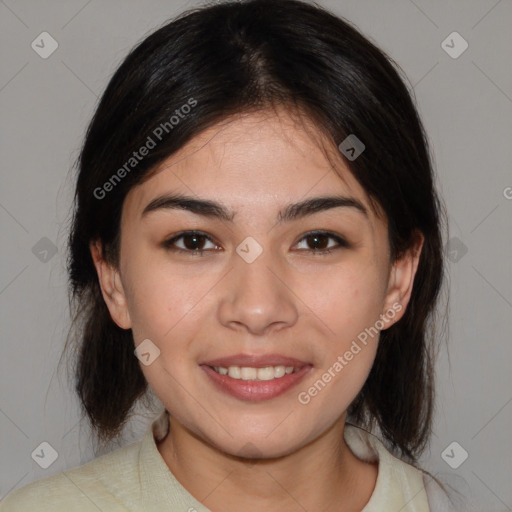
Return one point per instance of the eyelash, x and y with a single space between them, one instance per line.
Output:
169 244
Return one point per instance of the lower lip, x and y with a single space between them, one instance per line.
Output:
255 390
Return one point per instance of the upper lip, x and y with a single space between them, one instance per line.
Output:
256 361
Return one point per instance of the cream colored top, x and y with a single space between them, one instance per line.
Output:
136 478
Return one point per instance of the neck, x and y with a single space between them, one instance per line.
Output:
318 475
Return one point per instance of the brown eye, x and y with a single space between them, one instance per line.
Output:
193 242
318 242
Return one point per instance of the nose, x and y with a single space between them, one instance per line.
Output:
256 296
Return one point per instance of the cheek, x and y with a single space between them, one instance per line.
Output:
348 354
157 297
346 300
349 303
169 309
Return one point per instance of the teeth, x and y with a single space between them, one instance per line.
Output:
248 373
234 372
280 371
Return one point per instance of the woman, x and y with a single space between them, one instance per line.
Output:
257 241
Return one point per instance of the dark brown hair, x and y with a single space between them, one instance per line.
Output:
236 57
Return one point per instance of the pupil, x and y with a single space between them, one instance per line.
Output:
316 237
192 246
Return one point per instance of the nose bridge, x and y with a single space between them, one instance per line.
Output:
257 296
254 280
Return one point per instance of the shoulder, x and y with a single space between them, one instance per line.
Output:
438 498
103 483
404 485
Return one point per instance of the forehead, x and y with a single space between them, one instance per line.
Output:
263 159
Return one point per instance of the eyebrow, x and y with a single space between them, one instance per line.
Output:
213 209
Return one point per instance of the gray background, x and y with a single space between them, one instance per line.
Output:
466 105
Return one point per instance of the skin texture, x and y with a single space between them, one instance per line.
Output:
289 301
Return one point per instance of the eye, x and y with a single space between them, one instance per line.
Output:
193 243
318 239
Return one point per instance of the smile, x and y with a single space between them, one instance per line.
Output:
254 384
250 373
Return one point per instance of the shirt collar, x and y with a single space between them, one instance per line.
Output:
399 485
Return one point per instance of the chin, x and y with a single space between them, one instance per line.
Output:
259 446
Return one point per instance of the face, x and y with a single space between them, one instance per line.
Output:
285 287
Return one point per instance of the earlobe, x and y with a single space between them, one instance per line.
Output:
401 279
111 287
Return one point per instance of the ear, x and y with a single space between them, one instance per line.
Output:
401 278
111 287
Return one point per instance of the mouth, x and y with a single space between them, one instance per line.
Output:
255 378
252 373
